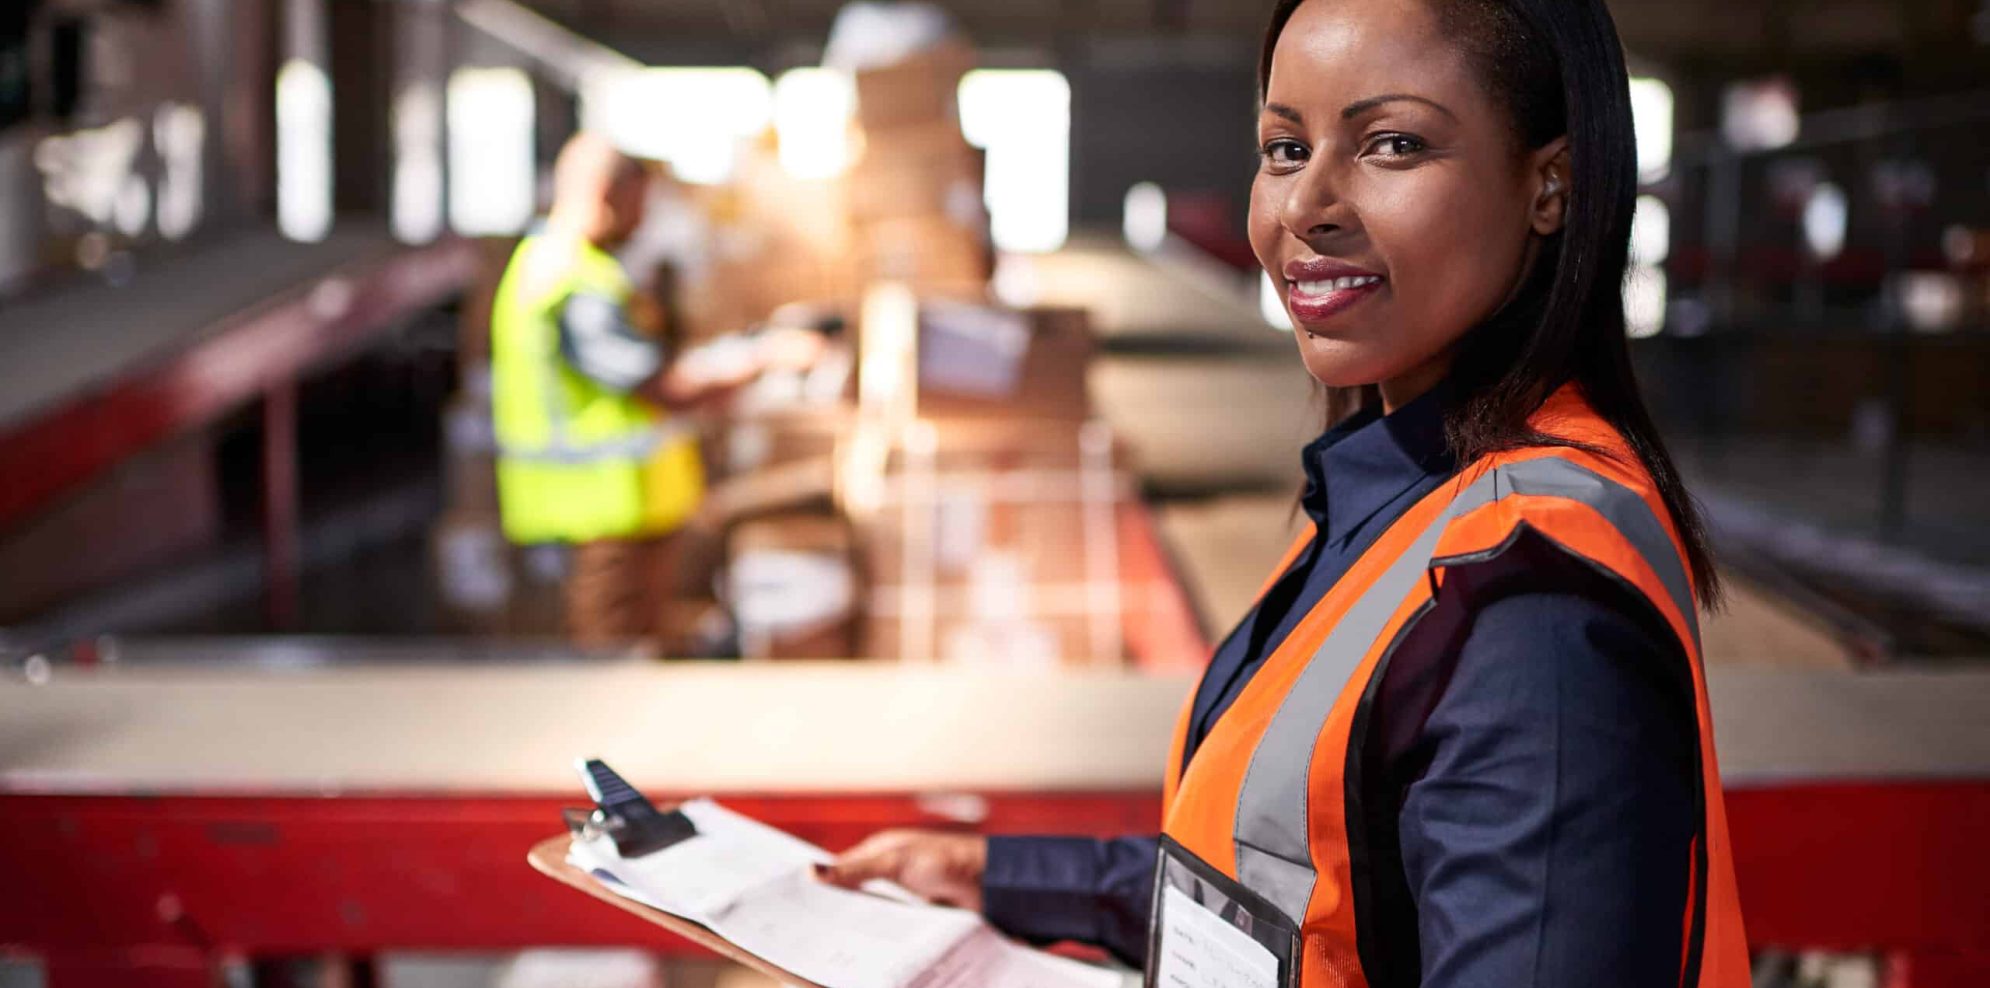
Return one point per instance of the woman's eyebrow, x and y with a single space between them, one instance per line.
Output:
1281 110
1361 106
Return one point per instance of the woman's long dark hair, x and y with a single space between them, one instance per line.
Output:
1559 68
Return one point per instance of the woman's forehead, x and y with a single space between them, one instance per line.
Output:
1349 49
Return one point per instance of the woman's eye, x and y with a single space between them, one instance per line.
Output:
1282 153
1395 145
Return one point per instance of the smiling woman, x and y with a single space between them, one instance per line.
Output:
1462 738
1395 206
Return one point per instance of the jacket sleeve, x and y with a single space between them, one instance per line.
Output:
597 340
1048 889
1547 843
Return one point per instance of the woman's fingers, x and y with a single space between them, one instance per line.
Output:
943 868
880 855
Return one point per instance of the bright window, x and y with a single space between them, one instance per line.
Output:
1644 301
1146 221
1651 231
303 151
1022 119
417 209
812 109
1651 118
491 169
179 131
693 118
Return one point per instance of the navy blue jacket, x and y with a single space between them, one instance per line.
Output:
1530 809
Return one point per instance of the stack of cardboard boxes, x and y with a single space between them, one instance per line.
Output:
996 539
988 532
915 201
772 239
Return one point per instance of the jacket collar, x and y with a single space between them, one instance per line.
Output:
1365 462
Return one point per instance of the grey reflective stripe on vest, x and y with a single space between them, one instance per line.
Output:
1274 857
561 451
1623 509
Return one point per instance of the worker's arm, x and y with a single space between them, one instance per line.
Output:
597 340
719 368
1040 889
1547 841
1047 889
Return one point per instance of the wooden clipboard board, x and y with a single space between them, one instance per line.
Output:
549 857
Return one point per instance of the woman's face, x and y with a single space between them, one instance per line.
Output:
1394 207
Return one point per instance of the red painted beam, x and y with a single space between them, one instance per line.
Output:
55 452
1857 866
1898 868
360 874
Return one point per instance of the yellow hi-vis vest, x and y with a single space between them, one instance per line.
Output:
576 461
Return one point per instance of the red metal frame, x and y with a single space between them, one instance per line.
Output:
239 875
161 881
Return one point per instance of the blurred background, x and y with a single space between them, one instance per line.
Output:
1049 426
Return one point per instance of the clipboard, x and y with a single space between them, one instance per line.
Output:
767 860
549 858
637 827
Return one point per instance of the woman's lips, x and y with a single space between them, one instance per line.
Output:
1316 300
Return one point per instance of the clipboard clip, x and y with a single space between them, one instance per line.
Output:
624 815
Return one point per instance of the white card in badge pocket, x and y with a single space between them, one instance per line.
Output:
1200 950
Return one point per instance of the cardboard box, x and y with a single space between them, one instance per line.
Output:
927 170
1027 644
946 185
769 440
1051 382
997 551
791 582
920 90
932 254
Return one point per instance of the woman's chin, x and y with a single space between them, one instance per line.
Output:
1336 364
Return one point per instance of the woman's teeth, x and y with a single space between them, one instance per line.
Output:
1336 284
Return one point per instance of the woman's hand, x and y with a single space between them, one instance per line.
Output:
939 867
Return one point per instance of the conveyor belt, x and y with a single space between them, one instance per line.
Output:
94 376
804 727
61 342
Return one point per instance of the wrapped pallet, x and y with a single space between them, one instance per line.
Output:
999 547
791 585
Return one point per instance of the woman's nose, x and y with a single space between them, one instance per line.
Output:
1313 207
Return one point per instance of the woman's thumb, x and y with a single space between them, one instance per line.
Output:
871 859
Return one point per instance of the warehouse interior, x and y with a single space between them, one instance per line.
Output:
281 703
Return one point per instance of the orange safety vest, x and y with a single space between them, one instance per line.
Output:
1256 827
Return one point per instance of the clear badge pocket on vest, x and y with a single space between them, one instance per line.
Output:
1209 931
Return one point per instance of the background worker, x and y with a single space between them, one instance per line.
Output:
593 448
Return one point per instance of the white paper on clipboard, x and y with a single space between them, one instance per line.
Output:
752 885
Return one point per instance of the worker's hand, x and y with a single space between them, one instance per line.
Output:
788 349
938 867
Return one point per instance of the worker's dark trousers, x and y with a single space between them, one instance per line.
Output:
618 590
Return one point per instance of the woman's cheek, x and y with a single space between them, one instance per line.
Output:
1262 226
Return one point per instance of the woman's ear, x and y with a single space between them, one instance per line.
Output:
1549 169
